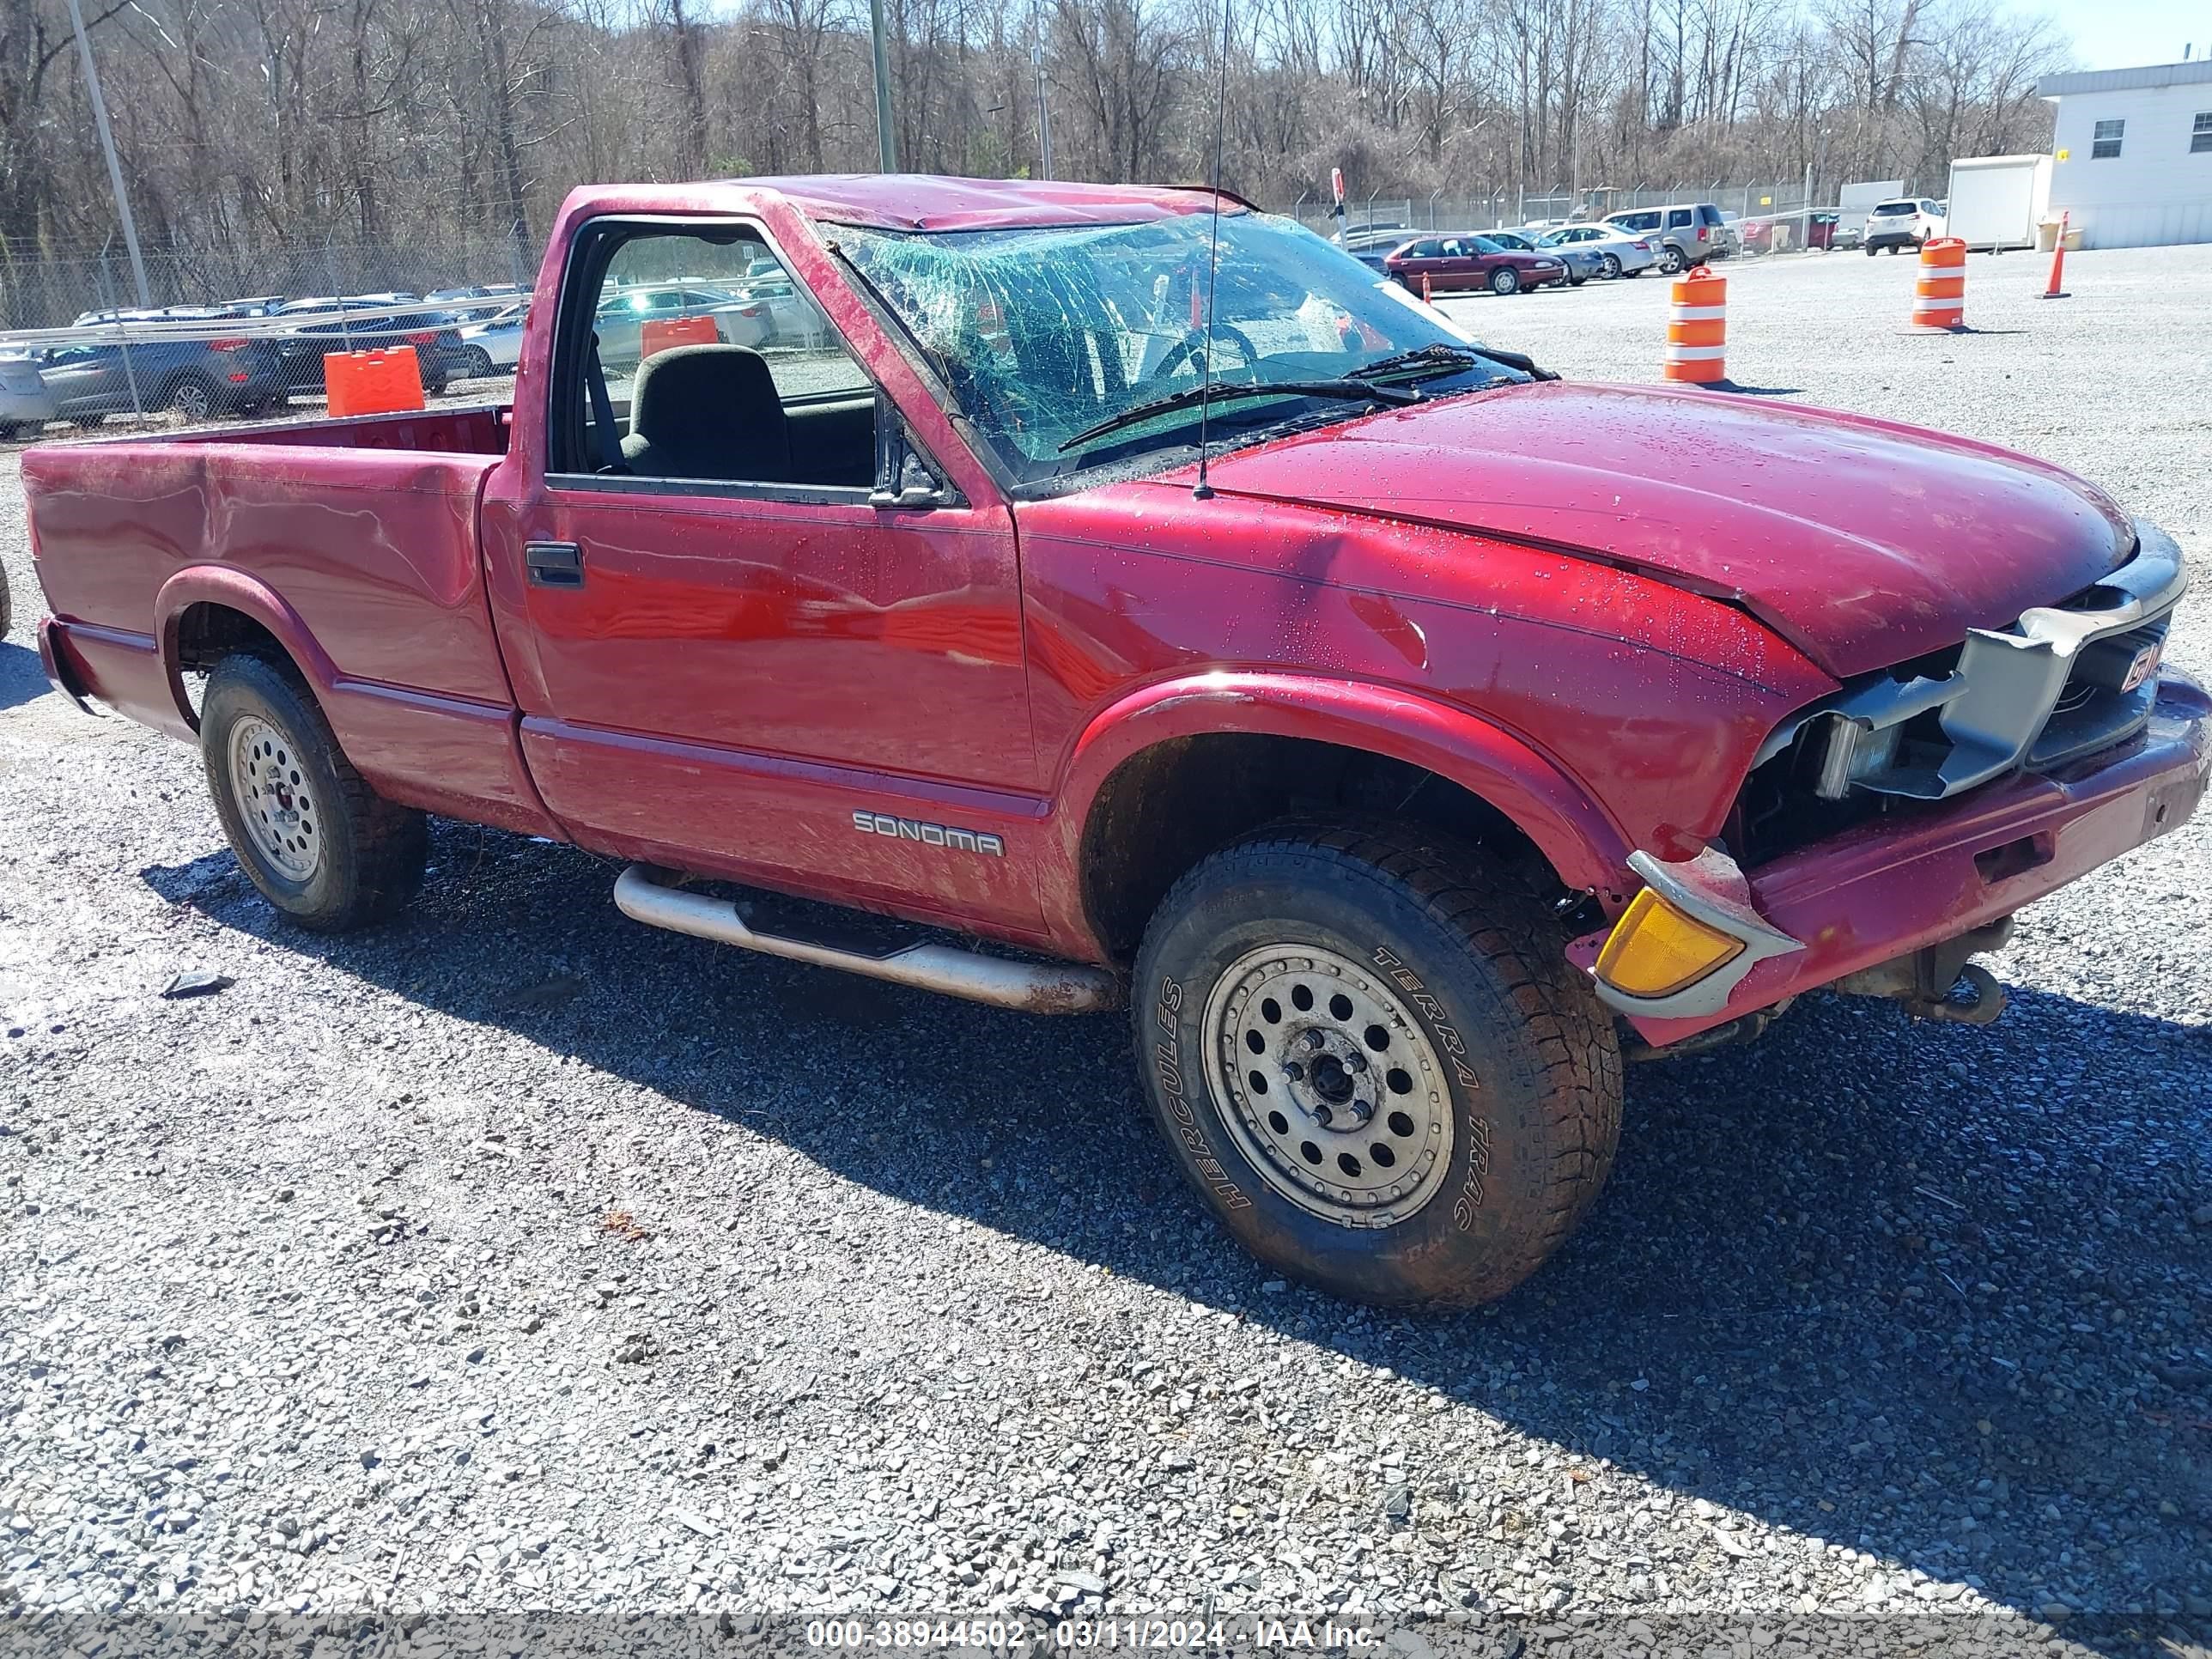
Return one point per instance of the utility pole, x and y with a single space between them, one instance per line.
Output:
107 147
1044 114
887 140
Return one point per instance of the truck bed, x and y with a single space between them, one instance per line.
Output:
352 542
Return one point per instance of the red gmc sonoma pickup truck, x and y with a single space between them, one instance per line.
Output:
1456 730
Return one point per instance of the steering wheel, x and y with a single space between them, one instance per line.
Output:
1186 350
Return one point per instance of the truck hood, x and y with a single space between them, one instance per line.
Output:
1861 542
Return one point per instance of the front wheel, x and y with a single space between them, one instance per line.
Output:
1372 1061
1575 279
321 844
1504 281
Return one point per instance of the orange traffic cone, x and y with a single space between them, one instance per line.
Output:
1697 328
1939 300
2057 290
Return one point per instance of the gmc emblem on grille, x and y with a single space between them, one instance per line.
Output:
929 834
2144 665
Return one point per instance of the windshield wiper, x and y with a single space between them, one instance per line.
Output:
1350 390
1439 357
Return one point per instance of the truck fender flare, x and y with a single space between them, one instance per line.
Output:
236 591
1583 844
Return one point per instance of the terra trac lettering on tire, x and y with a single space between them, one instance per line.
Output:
1167 1066
1469 1197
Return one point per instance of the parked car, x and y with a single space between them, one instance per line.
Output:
330 325
622 315
1373 247
1468 263
1470 727
1684 234
1755 236
1907 221
25 400
493 346
197 379
1582 263
1619 253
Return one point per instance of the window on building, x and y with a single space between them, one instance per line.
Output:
2200 136
2105 143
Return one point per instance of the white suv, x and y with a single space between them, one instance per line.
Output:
1905 222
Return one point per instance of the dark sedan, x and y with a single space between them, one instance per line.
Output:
330 325
197 379
1464 264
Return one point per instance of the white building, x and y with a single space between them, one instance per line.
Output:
2132 159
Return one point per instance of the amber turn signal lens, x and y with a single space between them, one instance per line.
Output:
1654 950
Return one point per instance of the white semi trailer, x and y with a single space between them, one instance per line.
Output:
1998 201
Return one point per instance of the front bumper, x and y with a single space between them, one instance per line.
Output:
1921 876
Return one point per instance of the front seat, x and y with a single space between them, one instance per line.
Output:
707 411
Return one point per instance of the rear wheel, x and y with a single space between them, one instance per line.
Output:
193 397
1609 267
1670 259
1503 281
321 844
1372 1061
480 366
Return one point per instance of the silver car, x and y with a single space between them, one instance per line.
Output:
494 344
24 400
1620 253
621 319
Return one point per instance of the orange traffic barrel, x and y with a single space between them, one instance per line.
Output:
372 382
1939 300
1696 328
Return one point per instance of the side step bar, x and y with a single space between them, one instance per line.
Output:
1057 987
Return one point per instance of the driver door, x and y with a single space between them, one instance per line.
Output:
743 655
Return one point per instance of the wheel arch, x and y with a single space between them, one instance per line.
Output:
1180 769
205 611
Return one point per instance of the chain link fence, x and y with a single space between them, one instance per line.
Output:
53 291
1774 199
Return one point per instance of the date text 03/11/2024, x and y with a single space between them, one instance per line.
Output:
1245 1634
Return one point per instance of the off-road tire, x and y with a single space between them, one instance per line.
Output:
1531 1065
370 852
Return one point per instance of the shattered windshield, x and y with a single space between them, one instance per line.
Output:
1051 336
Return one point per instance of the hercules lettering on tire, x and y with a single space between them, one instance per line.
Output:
1370 1057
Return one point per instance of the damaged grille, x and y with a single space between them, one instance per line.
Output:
2062 682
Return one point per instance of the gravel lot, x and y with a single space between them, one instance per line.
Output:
519 1257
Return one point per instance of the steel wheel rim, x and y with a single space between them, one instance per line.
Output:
268 779
1299 1039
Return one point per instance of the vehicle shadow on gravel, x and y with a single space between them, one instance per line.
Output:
1929 1292
22 678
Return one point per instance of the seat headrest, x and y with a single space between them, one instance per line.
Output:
683 387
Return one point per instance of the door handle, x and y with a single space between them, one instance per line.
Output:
554 564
